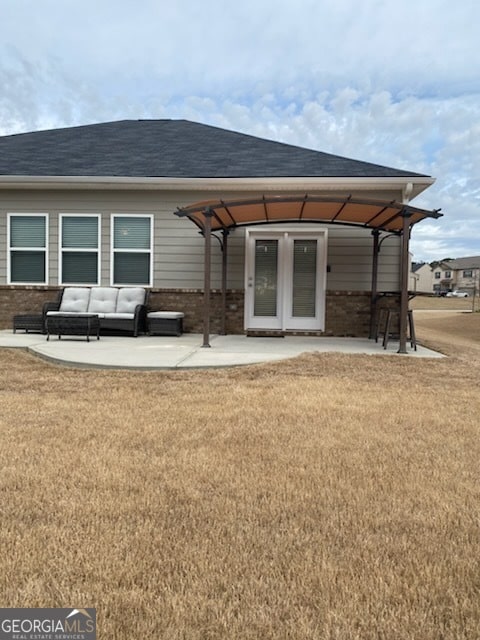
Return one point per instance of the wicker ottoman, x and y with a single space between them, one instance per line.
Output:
29 322
165 323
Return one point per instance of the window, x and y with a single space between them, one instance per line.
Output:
448 274
132 250
468 273
79 244
27 246
437 275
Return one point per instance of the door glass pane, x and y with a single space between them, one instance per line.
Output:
304 278
266 268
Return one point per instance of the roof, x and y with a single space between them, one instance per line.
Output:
416 266
472 262
441 264
171 149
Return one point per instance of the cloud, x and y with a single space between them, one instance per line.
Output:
386 82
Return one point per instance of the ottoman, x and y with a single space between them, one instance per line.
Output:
28 322
165 323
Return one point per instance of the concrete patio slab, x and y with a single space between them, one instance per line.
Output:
165 352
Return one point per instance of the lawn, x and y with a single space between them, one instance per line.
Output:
325 497
437 303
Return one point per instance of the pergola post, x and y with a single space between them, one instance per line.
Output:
373 298
207 230
223 328
404 282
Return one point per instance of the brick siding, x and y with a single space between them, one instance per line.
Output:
15 300
347 312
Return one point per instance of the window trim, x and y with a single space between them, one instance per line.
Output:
467 273
44 249
113 217
61 250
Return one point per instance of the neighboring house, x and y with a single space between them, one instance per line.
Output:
421 277
94 205
465 273
441 276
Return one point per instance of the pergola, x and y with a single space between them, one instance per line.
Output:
220 217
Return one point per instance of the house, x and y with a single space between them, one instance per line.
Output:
420 277
461 274
314 239
441 276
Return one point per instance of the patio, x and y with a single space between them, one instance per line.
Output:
158 352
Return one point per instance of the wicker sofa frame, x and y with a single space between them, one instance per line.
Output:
134 325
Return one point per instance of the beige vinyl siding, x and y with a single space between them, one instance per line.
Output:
350 252
178 248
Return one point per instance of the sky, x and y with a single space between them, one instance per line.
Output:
389 82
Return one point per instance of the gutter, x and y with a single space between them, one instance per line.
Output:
411 185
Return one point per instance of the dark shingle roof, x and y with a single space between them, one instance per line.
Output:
471 262
416 266
171 149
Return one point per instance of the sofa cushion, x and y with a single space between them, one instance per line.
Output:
103 300
118 316
128 298
75 300
166 315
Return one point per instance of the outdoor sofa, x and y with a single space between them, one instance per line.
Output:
121 309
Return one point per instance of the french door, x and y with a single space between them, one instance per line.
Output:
285 280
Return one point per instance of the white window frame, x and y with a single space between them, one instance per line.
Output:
114 216
10 249
61 249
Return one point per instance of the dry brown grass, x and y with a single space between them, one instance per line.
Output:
437 303
325 497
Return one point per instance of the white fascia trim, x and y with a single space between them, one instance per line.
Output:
419 184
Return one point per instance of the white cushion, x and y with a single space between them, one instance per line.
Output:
118 316
166 315
103 300
75 300
128 298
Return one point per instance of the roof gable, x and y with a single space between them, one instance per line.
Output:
171 149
